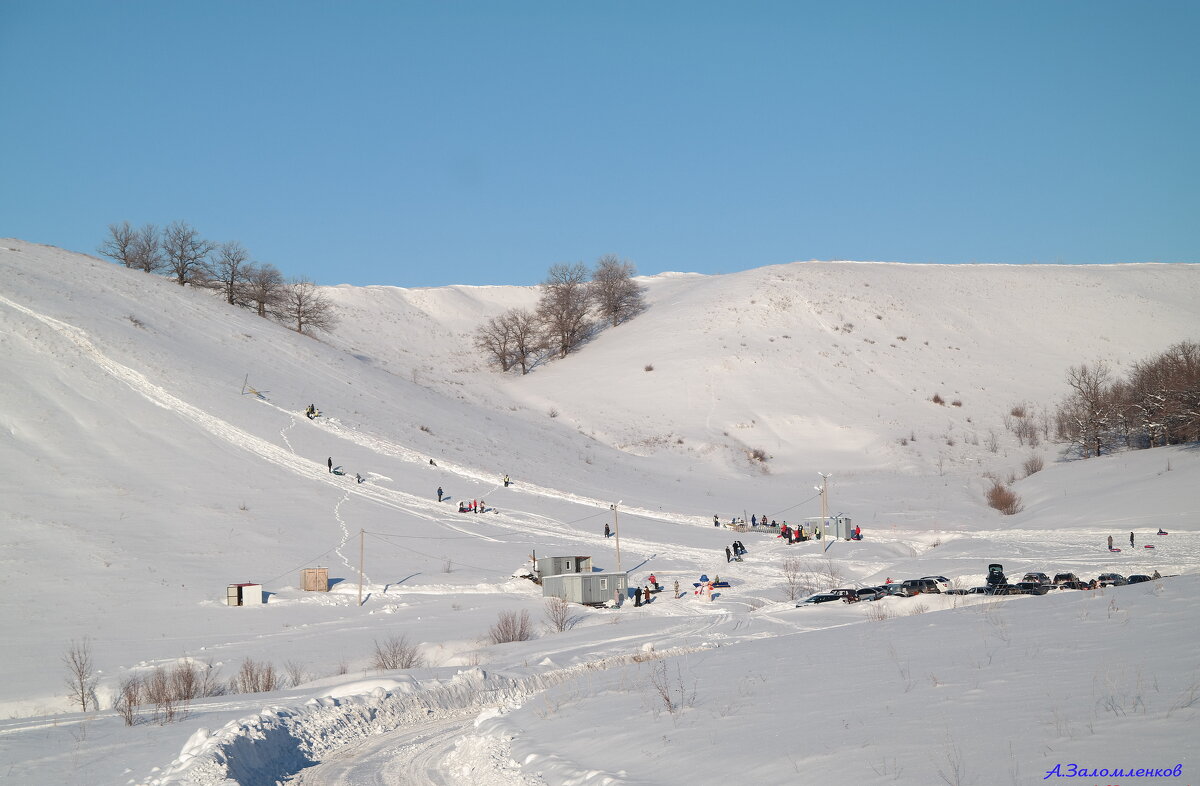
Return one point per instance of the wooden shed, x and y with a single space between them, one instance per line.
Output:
247 594
589 589
315 579
554 566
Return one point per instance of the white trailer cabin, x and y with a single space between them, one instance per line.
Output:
587 589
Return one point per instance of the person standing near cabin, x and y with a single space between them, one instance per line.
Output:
1110 542
329 462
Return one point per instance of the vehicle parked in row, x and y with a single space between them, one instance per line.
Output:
1138 578
1111 580
1031 588
919 586
943 582
1074 584
869 593
1059 578
958 592
898 590
982 591
820 597
1037 578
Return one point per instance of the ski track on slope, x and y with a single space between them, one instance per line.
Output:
287 459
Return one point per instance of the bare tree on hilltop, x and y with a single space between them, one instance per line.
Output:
617 296
565 307
264 288
186 253
304 308
230 268
147 249
119 245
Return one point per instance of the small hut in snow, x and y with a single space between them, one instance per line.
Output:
589 589
554 566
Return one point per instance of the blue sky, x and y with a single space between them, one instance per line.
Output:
423 144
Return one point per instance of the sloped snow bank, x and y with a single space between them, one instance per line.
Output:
279 742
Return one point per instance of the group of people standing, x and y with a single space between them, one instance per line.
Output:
735 551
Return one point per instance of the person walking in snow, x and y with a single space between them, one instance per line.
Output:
728 555
637 597
676 588
506 481
716 521
607 531
1130 540
329 461
1110 542
358 478
440 494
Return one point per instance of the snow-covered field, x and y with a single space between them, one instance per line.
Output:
141 476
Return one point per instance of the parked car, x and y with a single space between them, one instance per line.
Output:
958 592
899 590
870 593
1037 578
1111 580
995 575
1031 588
1138 578
1074 584
918 586
1059 578
982 591
842 592
943 582
820 597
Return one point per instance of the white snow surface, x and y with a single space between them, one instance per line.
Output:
155 450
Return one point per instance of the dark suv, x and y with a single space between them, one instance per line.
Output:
918 586
1060 578
1111 580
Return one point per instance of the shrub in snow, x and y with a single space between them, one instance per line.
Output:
511 626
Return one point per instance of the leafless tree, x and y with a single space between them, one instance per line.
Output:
565 307
128 698
617 296
395 652
186 253
81 673
511 626
147 249
119 245
229 268
255 677
305 308
264 286
513 339
1084 417
559 616
494 339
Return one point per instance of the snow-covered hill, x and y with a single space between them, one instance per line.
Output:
143 474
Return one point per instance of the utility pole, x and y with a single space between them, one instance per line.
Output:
617 533
824 489
360 564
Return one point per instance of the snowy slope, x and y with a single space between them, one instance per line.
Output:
140 479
